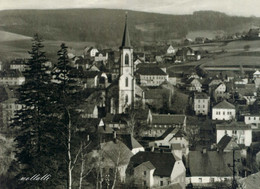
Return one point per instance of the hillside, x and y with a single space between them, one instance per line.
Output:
104 26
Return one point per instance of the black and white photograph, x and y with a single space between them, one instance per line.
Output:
129 94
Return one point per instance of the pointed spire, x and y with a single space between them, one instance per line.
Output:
126 39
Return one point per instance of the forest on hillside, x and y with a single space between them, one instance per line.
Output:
105 26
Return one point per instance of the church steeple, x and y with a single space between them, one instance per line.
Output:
126 39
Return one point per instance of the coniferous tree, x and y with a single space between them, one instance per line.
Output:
65 101
32 121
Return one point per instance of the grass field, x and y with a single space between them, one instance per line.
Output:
16 46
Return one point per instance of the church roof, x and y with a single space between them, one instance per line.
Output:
126 39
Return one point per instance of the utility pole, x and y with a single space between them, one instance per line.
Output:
233 166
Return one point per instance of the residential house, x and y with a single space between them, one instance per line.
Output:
223 111
170 50
18 64
208 167
219 91
253 119
239 130
171 137
115 157
201 103
90 52
101 56
8 110
88 110
95 79
11 77
256 77
194 84
254 33
175 78
199 40
152 76
247 92
159 123
151 169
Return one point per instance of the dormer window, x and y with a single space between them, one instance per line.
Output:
126 59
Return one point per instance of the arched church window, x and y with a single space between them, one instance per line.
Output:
126 99
126 59
126 81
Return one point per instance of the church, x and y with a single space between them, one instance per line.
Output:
121 93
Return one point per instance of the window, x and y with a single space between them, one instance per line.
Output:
198 106
223 113
203 106
234 132
126 99
144 173
144 183
254 118
126 59
211 180
200 180
161 183
126 81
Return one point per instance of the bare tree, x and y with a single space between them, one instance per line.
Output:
192 133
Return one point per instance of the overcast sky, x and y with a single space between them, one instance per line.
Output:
231 7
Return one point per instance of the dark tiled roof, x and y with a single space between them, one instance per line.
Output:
233 126
126 38
201 96
211 163
91 74
148 164
130 141
224 105
150 71
165 134
167 119
163 162
222 144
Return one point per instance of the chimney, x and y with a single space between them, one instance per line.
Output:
114 135
204 150
152 149
87 138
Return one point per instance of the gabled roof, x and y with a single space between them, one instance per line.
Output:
111 151
257 72
150 71
148 164
211 163
251 181
222 144
130 141
168 119
224 105
163 162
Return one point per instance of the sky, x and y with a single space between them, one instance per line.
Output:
231 7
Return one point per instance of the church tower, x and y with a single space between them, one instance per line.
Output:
126 73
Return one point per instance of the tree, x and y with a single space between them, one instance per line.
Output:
33 131
193 134
65 100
